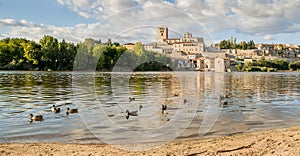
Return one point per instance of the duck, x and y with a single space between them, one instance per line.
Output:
224 96
55 109
184 101
163 108
176 94
127 114
140 107
131 99
36 117
71 111
224 103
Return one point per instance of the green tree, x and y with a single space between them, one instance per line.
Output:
90 43
138 48
5 58
224 44
67 53
280 50
15 53
70 54
49 48
251 44
109 42
82 60
32 52
97 55
243 45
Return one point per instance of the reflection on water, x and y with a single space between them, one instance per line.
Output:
257 101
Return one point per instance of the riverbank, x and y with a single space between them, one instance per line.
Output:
285 141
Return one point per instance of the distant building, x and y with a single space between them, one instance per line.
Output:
187 44
128 46
188 52
162 33
160 47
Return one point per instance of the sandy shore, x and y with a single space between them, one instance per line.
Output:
284 141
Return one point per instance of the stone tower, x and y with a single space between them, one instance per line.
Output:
162 33
187 35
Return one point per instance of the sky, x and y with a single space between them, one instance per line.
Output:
124 21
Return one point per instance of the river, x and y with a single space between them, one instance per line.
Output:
194 109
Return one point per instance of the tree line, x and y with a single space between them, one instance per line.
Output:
265 65
232 44
51 54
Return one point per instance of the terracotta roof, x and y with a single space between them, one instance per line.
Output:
128 44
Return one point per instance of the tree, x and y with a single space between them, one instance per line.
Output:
224 44
109 42
83 59
69 56
280 50
138 48
243 45
97 55
4 53
251 44
14 53
32 52
49 48
90 43
67 53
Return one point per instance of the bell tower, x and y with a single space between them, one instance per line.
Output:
162 33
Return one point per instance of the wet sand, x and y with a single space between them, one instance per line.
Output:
285 141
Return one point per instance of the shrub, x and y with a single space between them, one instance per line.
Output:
271 69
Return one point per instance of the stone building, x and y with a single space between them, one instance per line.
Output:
187 44
188 52
129 46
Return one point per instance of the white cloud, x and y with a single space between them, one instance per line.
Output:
9 22
252 16
262 18
12 22
32 31
269 37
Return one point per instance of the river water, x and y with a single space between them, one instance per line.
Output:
256 101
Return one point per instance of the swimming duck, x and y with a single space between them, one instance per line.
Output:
55 109
71 111
224 96
131 99
224 103
127 114
163 108
184 101
140 107
36 118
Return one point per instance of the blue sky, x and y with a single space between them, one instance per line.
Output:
264 21
40 11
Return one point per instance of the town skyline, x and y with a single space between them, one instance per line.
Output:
132 21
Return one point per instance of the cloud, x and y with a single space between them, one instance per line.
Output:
12 22
269 37
256 17
25 29
9 22
129 19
